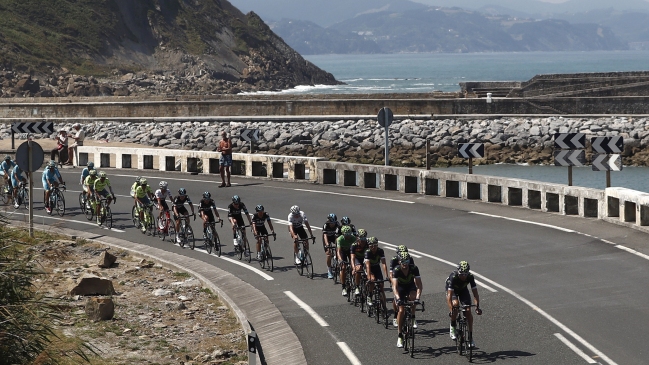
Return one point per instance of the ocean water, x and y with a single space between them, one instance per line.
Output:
427 72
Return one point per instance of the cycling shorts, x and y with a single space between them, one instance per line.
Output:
463 295
144 202
165 207
239 220
182 211
345 255
359 261
301 232
209 215
377 272
104 193
262 230
405 290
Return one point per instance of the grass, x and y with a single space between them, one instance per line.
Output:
182 275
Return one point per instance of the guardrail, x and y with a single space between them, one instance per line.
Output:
616 205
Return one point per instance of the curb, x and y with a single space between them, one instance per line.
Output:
279 344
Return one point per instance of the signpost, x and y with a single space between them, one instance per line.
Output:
249 135
31 127
30 156
606 155
569 151
385 118
471 151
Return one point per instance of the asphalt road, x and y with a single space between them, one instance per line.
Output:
551 286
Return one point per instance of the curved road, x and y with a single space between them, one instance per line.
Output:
554 289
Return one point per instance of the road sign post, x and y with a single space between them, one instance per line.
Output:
569 151
385 118
606 155
471 151
249 135
30 156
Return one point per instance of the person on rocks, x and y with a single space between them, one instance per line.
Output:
78 138
225 147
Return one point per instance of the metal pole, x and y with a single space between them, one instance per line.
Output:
569 175
387 149
427 154
608 178
31 191
251 145
470 165
13 146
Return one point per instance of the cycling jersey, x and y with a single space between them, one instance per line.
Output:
90 181
7 167
236 212
297 220
456 284
374 258
406 280
180 200
160 195
358 249
331 232
101 185
394 262
260 221
16 175
84 174
142 192
133 187
345 243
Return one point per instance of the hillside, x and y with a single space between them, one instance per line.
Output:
210 41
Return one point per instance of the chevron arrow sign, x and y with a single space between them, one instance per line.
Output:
33 127
471 150
569 141
569 158
603 162
249 135
607 144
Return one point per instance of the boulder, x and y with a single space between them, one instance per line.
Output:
106 260
92 285
100 309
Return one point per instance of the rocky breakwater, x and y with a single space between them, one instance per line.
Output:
507 140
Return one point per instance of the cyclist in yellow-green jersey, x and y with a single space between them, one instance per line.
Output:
102 188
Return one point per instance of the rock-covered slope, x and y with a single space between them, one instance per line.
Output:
205 46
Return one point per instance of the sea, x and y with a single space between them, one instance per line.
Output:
428 72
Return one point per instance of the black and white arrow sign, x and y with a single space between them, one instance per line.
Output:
471 150
602 162
569 158
33 127
569 141
249 135
607 144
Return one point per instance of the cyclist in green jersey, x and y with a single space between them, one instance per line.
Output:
102 187
356 258
343 245
143 196
89 185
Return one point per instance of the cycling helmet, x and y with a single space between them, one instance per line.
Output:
346 230
404 258
402 248
182 191
163 184
236 199
102 173
295 209
92 172
52 163
259 208
346 221
331 218
463 267
362 233
91 165
142 181
7 158
138 179
207 195
373 241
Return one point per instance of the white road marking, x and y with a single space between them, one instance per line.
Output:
348 352
237 262
486 286
630 250
524 221
355 196
80 222
575 348
307 309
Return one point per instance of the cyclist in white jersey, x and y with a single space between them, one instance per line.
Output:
297 221
161 196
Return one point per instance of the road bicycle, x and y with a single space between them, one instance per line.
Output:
22 197
266 259
87 206
211 238
185 232
378 309
335 267
57 200
147 225
305 257
409 326
105 215
463 337
349 281
361 298
242 248
166 226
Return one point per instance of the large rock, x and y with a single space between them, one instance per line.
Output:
92 285
106 260
100 309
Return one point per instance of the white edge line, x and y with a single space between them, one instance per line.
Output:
80 222
356 196
524 221
348 352
630 250
486 286
574 348
253 269
307 309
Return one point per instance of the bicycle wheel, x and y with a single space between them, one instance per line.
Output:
262 258
468 350
181 233
208 239
361 297
376 305
246 252
405 332
60 204
52 203
335 268
171 229
189 236
268 258
217 244
458 336
300 266
308 263
386 316
24 197
109 218
82 202
238 250
135 217
411 338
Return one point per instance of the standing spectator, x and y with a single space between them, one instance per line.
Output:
225 147
78 137
61 147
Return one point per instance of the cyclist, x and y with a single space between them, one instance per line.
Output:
394 263
259 220
330 231
16 177
161 196
180 210
297 220
357 256
236 219
375 267
345 221
457 291
133 187
101 191
50 176
343 245
205 208
406 284
143 196
84 175
6 167
89 184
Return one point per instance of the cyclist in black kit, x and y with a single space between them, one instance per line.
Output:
234 214
374 267
259 220
394 263
406 285
345 221
330 231
457 291
205 208
357 257
180 210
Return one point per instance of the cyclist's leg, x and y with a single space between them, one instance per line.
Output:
465 299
